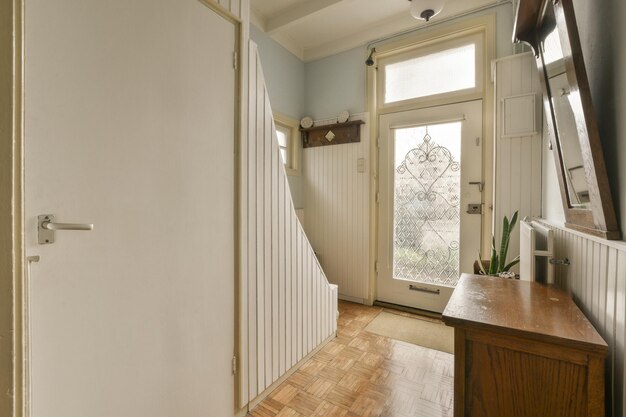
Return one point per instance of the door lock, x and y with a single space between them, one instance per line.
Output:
474 209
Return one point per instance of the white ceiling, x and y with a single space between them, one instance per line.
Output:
313 29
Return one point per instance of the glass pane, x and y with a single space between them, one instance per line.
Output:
282 137
283 155
427 186
431 74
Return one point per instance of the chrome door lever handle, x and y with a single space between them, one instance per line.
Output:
66 226
46 228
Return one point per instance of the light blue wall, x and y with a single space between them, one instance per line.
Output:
323 88
336 83
284 75
284 78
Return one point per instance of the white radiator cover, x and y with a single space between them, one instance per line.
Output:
536 241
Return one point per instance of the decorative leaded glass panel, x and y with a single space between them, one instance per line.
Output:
427 185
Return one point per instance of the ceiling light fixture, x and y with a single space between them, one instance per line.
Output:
426 9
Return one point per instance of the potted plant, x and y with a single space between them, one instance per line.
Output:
497 265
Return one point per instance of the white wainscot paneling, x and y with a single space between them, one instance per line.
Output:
518 164
337 206
596 279
287 306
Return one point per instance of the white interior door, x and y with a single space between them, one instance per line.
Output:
130 126
428 160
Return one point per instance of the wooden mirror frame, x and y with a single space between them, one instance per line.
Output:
531 28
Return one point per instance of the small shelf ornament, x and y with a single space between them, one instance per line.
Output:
333 134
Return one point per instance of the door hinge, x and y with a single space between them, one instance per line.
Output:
377 197
234 365
378 142
376 266
235 60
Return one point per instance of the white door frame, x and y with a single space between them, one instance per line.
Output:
429 296
484 24
13 269
11 209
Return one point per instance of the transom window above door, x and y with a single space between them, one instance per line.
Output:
427 72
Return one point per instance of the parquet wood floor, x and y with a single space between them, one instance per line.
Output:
361 374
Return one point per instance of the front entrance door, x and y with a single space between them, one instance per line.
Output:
430 165
130 117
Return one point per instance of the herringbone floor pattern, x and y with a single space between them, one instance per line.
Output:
361 374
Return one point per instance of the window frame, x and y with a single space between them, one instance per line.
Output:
425 49
292 165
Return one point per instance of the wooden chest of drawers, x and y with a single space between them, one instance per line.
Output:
523 349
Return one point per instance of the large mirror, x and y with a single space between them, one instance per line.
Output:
564 98
549 27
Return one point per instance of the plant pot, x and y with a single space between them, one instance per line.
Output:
486 264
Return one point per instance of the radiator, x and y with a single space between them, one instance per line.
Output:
536 252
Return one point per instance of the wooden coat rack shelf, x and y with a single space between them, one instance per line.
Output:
333 134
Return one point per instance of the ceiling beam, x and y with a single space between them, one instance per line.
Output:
297 13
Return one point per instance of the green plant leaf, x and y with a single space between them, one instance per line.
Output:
480 265
506 237
511 264
513 220
494 270
504 243
493 263
511 226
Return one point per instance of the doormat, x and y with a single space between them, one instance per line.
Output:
424 333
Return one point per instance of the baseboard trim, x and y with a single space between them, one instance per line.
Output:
352 299
406 309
